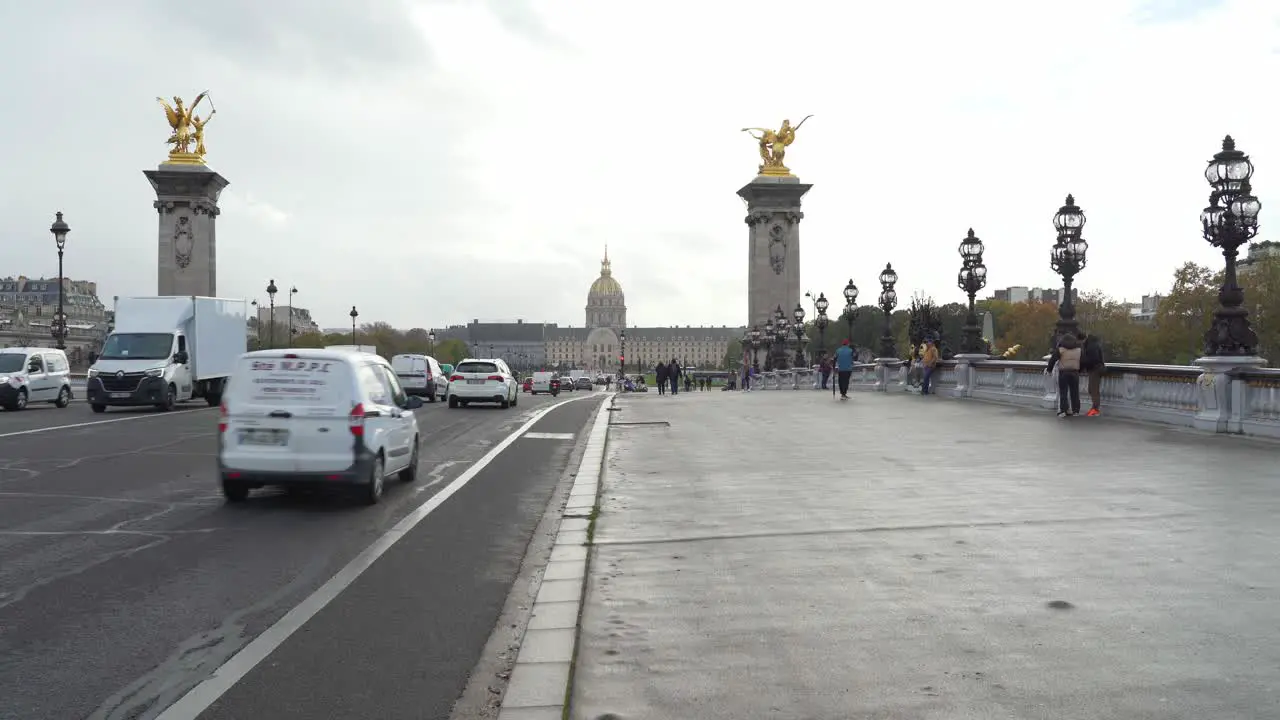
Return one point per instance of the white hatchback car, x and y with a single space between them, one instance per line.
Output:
318 417
483 381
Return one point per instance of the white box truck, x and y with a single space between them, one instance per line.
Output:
166 350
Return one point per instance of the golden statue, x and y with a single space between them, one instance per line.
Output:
773 147
181 121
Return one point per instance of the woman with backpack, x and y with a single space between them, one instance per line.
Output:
1066 357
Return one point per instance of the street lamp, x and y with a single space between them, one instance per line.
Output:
622 353
1230 221
822 304
850 307
353 315
781 325
769 337
973 277
755 346
271 295
431 342
1068 259
798 315
293 290
888 301
59 228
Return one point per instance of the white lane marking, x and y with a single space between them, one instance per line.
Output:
200 697
549 436
73 426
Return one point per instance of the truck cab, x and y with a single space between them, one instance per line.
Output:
141 368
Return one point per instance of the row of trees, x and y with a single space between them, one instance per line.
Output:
387 339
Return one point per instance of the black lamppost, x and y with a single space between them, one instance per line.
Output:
622 354
431 342
781 325
798 328
60 230
769 337
821 305
293 290
353 315
1230 221
850 307
888 301
973 277
755 347
271 296
1068 259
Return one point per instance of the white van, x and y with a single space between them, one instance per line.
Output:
324 417
34 375
541 382
421 375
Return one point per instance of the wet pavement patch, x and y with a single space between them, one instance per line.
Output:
1059 605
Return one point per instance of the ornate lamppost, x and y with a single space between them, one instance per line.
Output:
781 325
769 337
1230 220
431 343
622 354
293 290
354 314
798 328
888 301
850 307
973 277
1068 259
821 321
271 328
59 228
755 347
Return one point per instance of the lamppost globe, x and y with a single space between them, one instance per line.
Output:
1229 169
778 315
59 228
850 293
888 277
798 314
431 337
1069 219
768 328
272 289
971 248
822 303
755 335
890 298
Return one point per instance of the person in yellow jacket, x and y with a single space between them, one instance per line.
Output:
928 359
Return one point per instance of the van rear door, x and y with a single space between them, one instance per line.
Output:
412 371
289 415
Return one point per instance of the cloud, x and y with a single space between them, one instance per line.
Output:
441 160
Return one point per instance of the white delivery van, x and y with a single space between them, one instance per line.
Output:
319 417
34 374
169 349
542 382
421 375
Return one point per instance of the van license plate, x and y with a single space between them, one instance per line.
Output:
264 437
473 381
119 395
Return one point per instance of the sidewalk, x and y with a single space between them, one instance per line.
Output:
926 559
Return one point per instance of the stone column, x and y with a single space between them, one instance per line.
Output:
1215 413
890 374
187 202
966 373
773 259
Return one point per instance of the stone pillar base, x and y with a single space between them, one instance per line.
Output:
888 375
966 373
1217 412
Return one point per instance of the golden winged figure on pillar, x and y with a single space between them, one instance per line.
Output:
773 146
188 129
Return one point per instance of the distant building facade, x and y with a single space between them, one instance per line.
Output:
1259 252
597 345
28 307
1022 294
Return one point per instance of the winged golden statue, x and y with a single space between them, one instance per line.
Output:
773 146
187 128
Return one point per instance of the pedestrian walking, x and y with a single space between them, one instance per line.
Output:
824 368
1093 364
928 362
1066 357
844 368
674 374
660 374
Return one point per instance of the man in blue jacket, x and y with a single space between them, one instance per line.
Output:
844 368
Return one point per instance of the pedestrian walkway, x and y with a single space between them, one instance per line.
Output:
783 555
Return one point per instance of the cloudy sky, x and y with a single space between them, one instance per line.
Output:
434 161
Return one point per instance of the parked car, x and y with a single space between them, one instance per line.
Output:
319 417
33 374
421 375
482 381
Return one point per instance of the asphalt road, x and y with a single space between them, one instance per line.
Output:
125 580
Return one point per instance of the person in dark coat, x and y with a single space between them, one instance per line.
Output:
674 373
1092 364
1066 357
660 375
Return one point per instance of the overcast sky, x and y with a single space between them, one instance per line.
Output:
437 161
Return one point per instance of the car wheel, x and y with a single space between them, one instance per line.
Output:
371 492
64 397
431 393
515 399
21 402
235 491
98 408
453 402
410 473
504 404
170 399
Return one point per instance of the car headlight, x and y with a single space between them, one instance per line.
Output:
91 374
154 372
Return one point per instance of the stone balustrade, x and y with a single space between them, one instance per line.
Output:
1238 401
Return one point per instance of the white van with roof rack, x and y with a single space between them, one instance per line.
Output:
315 417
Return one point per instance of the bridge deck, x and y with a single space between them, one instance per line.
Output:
783 554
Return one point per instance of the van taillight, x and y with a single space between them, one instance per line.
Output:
222 417
290 356
456 377
355 421
499 378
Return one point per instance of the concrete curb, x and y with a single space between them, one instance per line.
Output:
539 685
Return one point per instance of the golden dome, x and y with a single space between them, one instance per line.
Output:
605 285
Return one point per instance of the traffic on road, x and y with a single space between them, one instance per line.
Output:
131 587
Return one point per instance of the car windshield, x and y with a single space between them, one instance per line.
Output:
12 362
137 346
477 367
